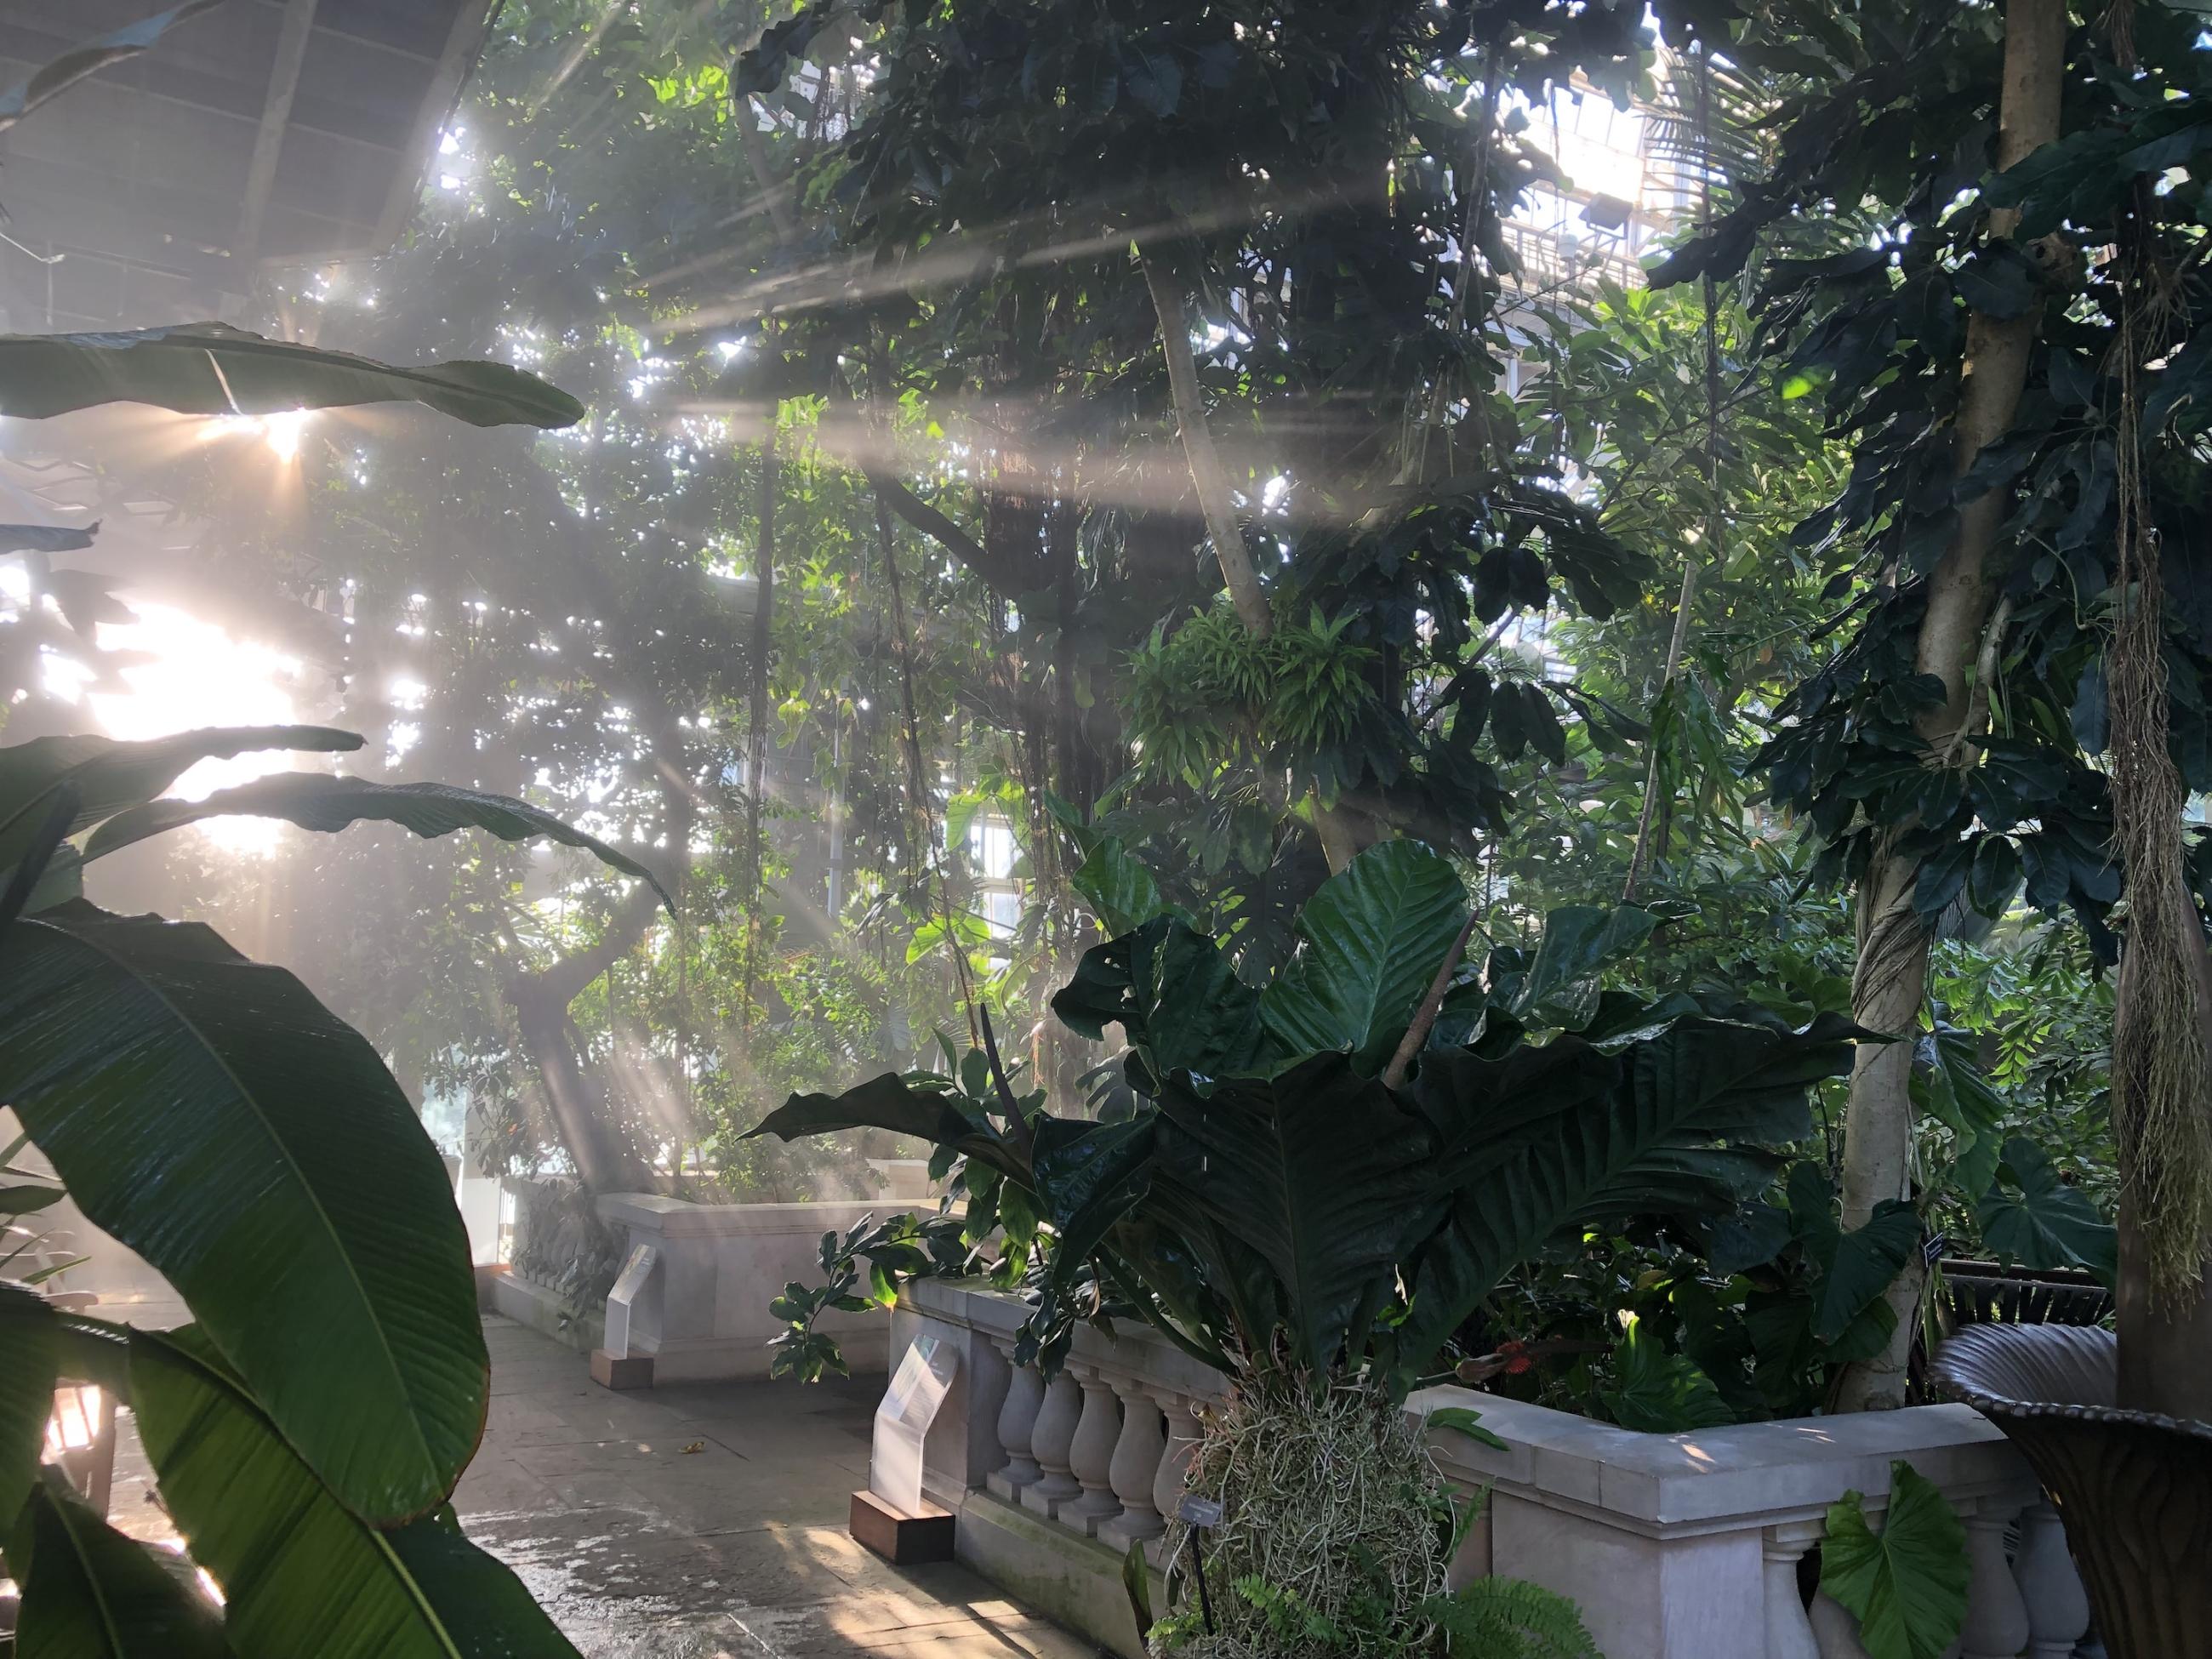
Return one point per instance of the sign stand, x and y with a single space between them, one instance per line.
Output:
891 1516
615 1366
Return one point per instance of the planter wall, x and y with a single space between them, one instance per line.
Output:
702 1315
1675 1546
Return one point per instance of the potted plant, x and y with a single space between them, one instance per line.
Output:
1311 1184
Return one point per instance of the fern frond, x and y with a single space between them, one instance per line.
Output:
1510 1619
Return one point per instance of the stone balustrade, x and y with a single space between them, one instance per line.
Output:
1675 1546
701 1313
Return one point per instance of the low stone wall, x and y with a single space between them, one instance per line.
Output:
702 1315
1675 1546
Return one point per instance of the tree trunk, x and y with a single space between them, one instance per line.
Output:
1890 982
756 714
1205 470
1342 834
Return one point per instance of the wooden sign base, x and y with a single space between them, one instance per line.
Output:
905 1540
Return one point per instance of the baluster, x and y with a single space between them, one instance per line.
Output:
2049 1586
1136 1467
1091 1453
1175 1462
1836 1628
1997 1618
1788 1633
1049 1443
1018 1416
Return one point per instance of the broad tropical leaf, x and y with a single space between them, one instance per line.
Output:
110 776
1319 1171
1562 987
1090 1176
2030 1216
1655 1392
1625 1150
302 1573
1372 940
889 1102
1855 1266
212 368
90 1593
46 538
1121 892
1176 994
146 1056
1908 1582
316 800
90 56
31 1344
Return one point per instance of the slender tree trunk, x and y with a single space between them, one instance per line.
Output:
1341 835
1214 499
1709 545
1890 982
762 643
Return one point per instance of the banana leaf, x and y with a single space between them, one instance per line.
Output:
212 368
301 1571
90 1593
110 776
316 800
215 1118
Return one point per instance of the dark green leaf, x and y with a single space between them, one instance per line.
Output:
1579 942
1465 1421
1372 939
1655 1392
109 775
2031 1216
1318 1171
148 1057
303 1574
212 368
317 801
90 1593
1119 890
90 56
889 1102
31 1345
1908 1582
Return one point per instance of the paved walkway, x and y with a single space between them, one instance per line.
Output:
707 1522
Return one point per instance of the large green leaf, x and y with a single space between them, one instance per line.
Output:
1372 940
1562 987
46 538
109 775
1176 996
90 1593
1852 1269
1907 1584
1321 1171
215 1117
889 1102
316 800
1518 1171
1090 1176
1655 1392
2030 1216
212 368
31 1345
90 56
302 1573
1121 892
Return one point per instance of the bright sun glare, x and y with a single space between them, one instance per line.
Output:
197 675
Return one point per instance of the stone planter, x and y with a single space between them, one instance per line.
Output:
2134 1488
1675 1546
701 1313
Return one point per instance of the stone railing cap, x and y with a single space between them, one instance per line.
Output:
1746 1472
675 1217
